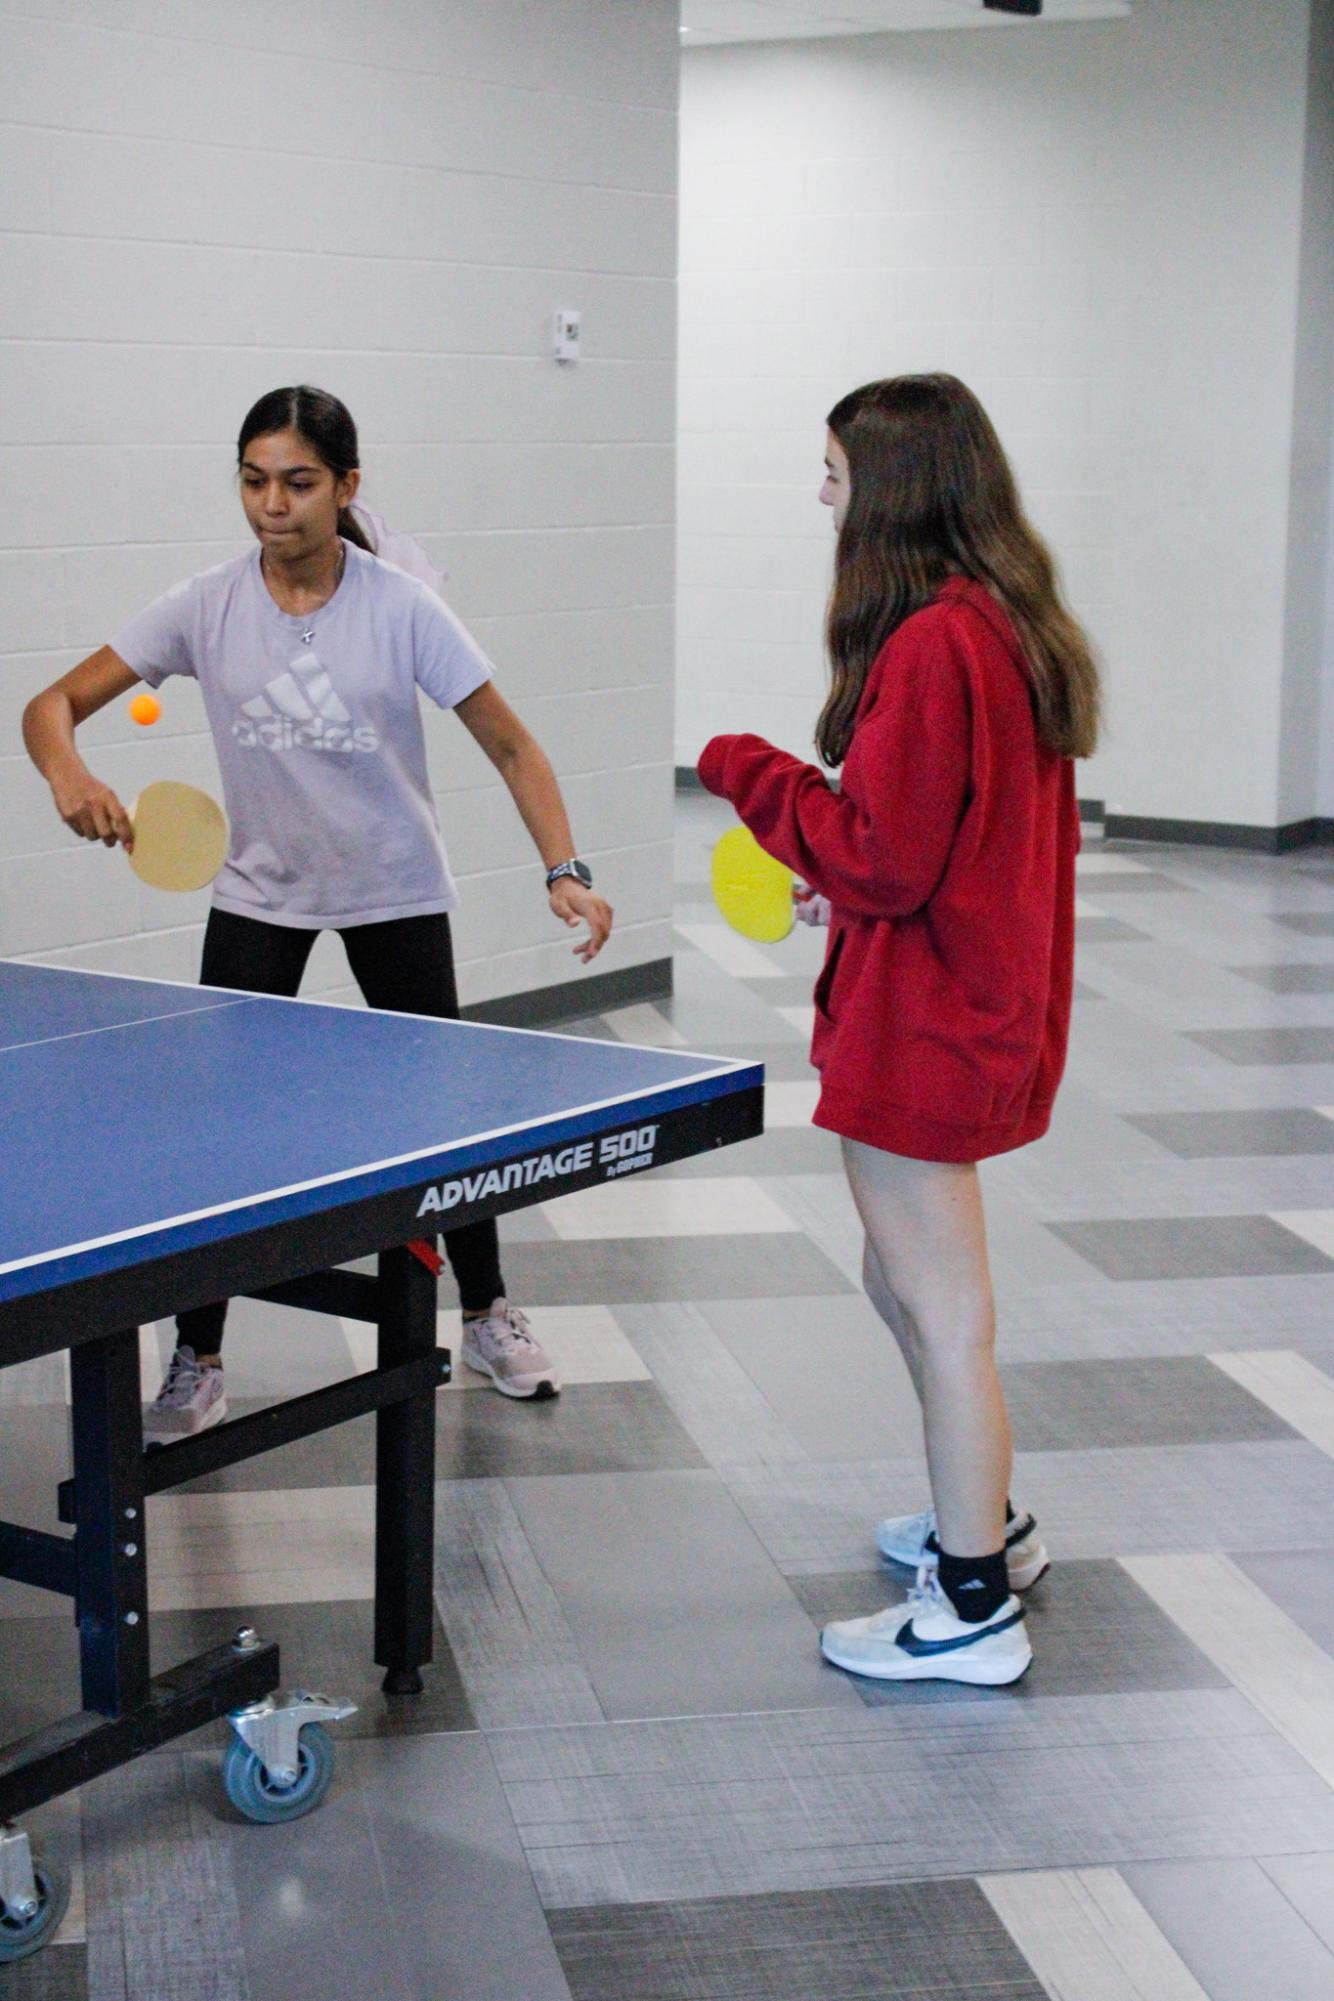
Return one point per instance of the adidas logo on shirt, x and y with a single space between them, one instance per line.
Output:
300 710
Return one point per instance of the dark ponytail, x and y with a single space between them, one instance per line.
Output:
327 427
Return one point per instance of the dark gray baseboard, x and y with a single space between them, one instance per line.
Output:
1220 833
1092 810
688 779
593 994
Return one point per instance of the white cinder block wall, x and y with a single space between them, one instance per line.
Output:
197 204
1100 227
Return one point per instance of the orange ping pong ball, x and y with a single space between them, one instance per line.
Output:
145 709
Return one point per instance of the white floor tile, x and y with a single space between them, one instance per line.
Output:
645 1025
790 1104
585 1342
723 1207
279 1546
1277 1666
735 954
1087 1937
1316 1225
1099 863
150 1361
801 1018
1293 1388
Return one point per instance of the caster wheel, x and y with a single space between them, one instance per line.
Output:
259 1797
20 1936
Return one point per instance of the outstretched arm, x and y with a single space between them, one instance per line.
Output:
526 770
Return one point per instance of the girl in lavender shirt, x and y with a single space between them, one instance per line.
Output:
309 653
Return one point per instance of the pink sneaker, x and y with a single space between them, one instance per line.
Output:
501 1346
191 1399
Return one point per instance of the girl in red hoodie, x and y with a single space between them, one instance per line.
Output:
961 691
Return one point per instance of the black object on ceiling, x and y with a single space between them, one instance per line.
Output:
1014 6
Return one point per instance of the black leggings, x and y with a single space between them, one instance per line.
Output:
407 964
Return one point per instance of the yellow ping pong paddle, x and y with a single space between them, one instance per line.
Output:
752 890
180 836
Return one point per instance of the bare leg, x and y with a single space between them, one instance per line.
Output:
890 1309
925 1229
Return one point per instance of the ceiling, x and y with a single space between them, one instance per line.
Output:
713 21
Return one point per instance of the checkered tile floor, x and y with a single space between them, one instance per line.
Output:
631 1776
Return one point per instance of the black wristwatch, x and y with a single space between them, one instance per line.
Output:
579 870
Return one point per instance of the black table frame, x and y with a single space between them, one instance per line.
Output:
103 1567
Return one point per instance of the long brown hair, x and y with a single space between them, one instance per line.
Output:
933 496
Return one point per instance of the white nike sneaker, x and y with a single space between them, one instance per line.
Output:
502 1346
924 1639
190 1400
911 1541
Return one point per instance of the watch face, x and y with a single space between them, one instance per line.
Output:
579 870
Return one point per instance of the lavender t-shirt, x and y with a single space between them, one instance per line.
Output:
318 735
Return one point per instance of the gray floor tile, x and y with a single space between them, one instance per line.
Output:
1307 1881
589 1426
1105 931
1305 977
1301 1583
716 1400
936 1940
1092 1628
1235 1930
409 1884
163 1918
1213 1135
787 990
697 1807
830 1370
518 1658
461 1898
1269 1045
1247 1495
1191 1247
1073 1406
675 1607
60 1973
1148 883
608 1271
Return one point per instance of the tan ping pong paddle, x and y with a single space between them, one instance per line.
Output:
180 836
752 890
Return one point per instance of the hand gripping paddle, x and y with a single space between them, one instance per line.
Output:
751 889
180 836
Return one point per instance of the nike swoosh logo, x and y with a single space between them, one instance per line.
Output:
920 1649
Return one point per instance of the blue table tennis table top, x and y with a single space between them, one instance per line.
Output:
141 1118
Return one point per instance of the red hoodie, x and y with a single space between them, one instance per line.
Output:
942 1012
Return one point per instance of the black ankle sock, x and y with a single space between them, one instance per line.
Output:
976 1586
933 1541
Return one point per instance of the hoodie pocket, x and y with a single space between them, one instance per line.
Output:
824 986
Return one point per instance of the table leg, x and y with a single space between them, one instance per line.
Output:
405 1480
110 1564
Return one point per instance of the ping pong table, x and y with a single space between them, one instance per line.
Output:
165 1146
